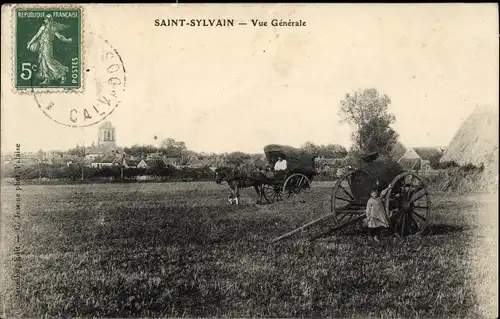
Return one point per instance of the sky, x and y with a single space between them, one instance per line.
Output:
240 88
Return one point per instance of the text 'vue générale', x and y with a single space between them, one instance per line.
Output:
228 23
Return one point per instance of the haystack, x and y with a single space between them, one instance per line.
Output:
476 143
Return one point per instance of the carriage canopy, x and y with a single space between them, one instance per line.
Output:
296 158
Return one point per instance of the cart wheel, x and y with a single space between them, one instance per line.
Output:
349 196
272 193
296 186
408 204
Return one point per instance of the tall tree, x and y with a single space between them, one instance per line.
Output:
78 151
138 150
333 150
368 112
310 148
172 147
236 158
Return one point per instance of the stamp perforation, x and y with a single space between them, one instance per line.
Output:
47 99
13 51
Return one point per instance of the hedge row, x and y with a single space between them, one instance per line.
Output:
113 172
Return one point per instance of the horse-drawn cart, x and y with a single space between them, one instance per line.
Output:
293 182
404 194
272 186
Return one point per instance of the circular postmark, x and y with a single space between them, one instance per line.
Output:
104 81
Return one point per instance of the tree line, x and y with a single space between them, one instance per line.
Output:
366 110
79 173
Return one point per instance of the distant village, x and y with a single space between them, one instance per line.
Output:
173 154
106 153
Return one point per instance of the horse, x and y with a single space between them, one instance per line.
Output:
237 180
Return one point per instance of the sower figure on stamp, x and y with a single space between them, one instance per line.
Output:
49 69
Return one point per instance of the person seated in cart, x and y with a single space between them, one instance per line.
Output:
279 171
281 164
280 167
376 216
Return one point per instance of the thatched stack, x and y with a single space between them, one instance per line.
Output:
476 143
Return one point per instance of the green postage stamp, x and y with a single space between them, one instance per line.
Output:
48 48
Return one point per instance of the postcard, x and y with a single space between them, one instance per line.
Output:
249 160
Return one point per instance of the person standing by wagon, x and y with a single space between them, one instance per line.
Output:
375 214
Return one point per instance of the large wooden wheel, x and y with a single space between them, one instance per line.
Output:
350 195
272 193
408 204
296 186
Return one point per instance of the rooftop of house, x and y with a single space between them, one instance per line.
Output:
107 159
428 153
410 163
132 162
152 161
398 150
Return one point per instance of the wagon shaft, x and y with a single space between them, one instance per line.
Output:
296 230
341 226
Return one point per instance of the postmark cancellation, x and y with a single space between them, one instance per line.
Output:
75 76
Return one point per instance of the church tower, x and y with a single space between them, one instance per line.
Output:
107 138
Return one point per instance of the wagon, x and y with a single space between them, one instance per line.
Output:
404 194
295 181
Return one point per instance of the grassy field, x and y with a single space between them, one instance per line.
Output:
180 250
